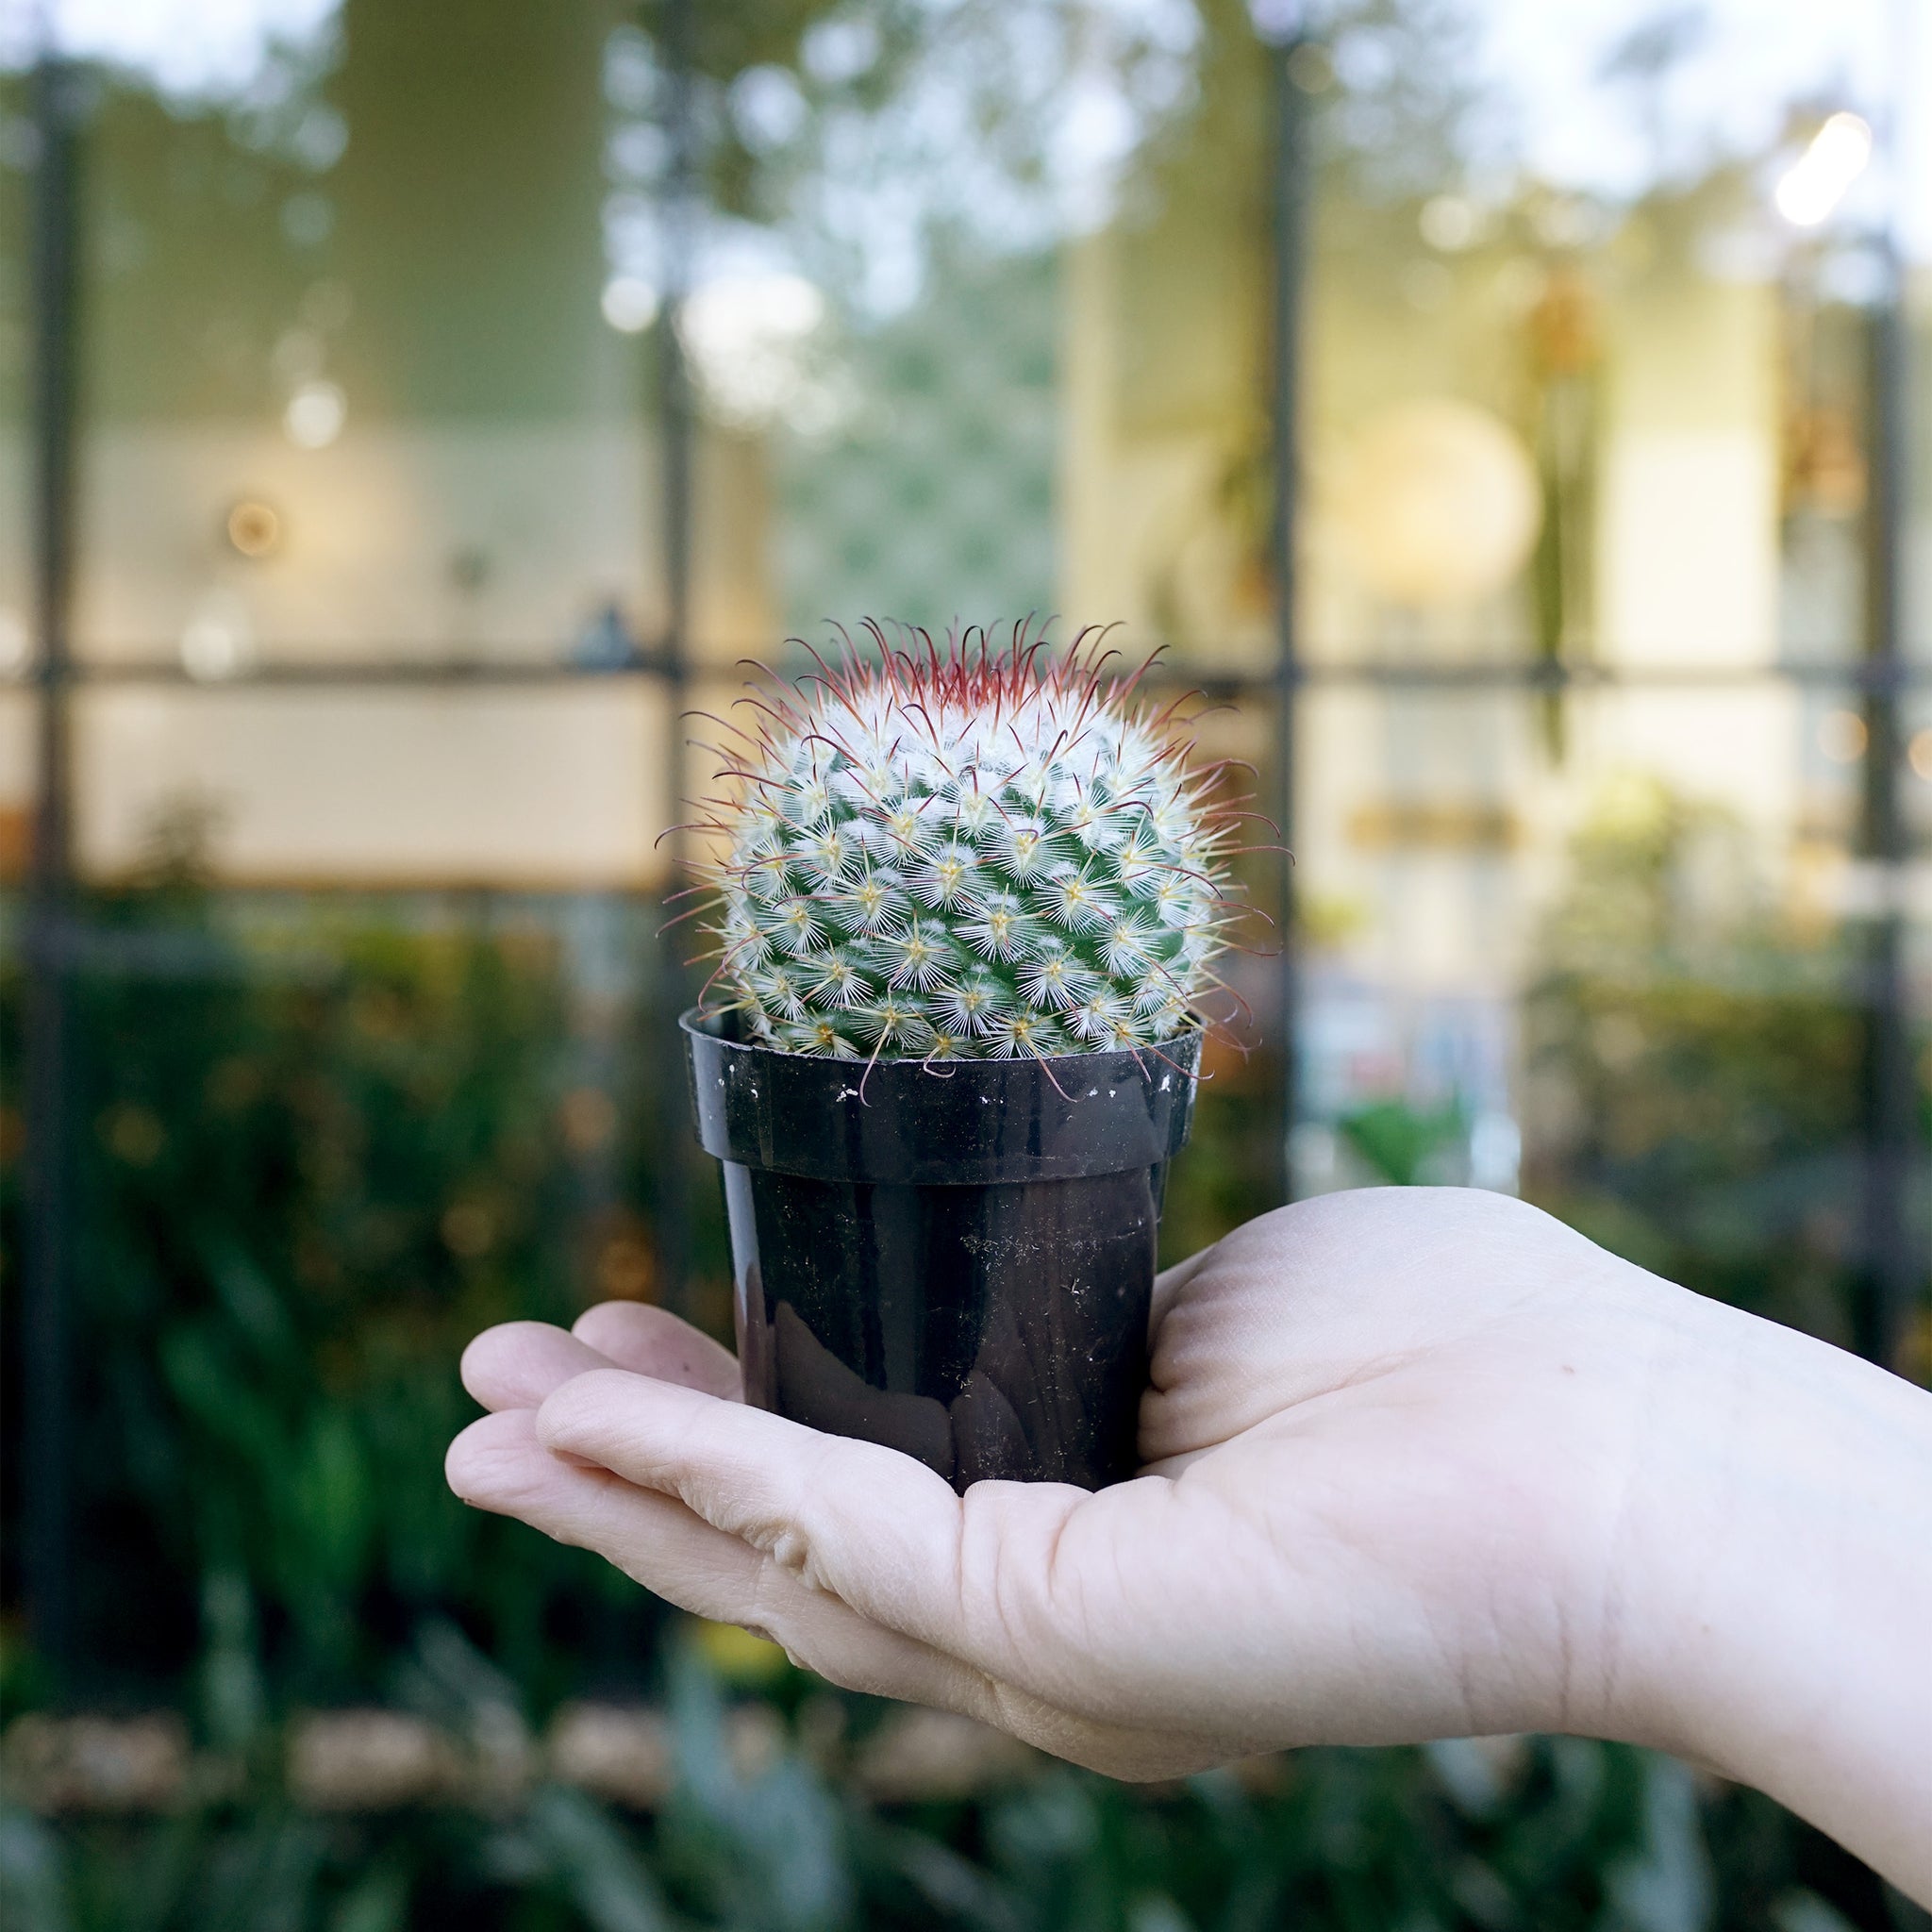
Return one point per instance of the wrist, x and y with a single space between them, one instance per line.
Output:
1780 1578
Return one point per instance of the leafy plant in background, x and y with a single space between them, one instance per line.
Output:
1397 1140
309 1168
319 1155
1554 1834
1693 1067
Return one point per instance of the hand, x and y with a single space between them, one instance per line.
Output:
1419 1462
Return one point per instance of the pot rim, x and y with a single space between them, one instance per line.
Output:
706 1021
974 1123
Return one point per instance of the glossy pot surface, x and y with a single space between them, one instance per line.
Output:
955 1261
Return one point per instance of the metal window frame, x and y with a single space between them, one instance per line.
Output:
1878 680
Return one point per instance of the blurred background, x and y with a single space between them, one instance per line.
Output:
1518 415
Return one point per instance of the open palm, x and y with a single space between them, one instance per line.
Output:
1391 1445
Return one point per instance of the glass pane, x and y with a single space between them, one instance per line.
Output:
1592 316
351 389
369 767
1635 1000
358 394
388 315
891 291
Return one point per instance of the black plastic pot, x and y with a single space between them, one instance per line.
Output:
957 1264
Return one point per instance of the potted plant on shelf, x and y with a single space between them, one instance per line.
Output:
967 905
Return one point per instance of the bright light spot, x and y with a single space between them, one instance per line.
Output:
1366 60
191 49
737 311
1816 181
636 152
313 418
750 338
767 109
630 70
632 243
1089 143
1434 503
1278 20
630 304
1495 1152
835 50
218 640
16 646
1841 736
1448 222
1918 753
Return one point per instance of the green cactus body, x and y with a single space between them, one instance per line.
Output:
960 853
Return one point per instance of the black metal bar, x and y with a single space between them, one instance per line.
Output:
1891 1267
311 667
674 414
677 431
48 1273
1290 216
1852 675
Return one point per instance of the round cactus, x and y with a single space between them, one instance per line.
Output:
957 852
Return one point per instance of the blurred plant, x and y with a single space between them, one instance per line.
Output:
325 1145
1693 1067
1399 1142
311 1166
851 147
1465 1836
866 134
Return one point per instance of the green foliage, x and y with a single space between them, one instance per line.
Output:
311 1166
968 855
1558 1835
1396 1140
1694 1069
321 1148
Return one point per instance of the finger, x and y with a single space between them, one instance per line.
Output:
1168 1283
653 1342
498 1463
753 1474
516 1364
979 1578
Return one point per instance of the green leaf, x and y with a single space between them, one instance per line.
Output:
378 1902
1666 1885
1396 1140
597 1863
331 1498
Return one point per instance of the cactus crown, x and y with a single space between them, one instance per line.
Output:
958 851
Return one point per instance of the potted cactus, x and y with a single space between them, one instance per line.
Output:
967 905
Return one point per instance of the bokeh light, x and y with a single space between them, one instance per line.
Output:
314 416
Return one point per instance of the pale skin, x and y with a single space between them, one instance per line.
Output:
1419 1463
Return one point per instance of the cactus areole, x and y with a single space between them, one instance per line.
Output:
964 852
967 900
